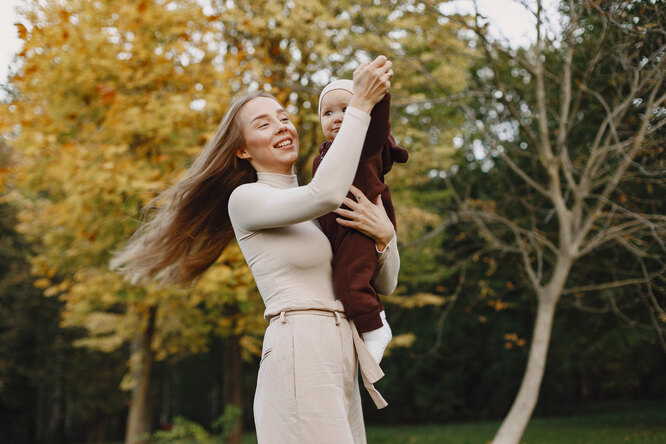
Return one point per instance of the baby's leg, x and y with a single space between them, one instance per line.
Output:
354 265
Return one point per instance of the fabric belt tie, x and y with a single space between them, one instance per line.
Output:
371 372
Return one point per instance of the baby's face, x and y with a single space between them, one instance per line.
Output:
333 106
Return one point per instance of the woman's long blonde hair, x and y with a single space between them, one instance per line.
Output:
190 226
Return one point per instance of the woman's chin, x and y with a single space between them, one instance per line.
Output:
291 156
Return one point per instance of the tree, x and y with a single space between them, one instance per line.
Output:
569 127
111 99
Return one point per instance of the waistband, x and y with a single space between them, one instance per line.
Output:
371 372
313 312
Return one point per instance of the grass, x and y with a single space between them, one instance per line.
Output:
613 425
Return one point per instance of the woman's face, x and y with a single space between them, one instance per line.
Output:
270 139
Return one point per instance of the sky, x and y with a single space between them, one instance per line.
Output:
507 18
9 41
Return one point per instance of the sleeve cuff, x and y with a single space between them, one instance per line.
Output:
381 253
358 114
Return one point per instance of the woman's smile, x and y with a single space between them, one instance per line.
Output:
284 143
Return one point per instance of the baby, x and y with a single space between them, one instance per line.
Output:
354 254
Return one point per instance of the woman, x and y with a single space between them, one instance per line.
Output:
243 184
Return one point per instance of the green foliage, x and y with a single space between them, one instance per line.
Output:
226 423
183 431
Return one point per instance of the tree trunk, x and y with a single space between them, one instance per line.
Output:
138 419
232 385
514 424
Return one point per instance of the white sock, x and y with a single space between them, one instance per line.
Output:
377 340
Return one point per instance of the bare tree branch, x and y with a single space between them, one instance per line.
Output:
531 274
655 304
633 30
624 164
445 313
582 84
578 305
487 44
638 223
606 285
610 116
490 236
545 150
565 86
655 323
613 116
523 175
624 317
510 106
442 100
466 213
480 32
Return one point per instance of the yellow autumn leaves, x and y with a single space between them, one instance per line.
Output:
113 98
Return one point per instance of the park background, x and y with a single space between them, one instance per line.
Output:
530 214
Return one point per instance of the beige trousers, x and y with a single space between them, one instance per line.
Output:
307 388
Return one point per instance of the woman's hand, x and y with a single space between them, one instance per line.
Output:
371 82
368 218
